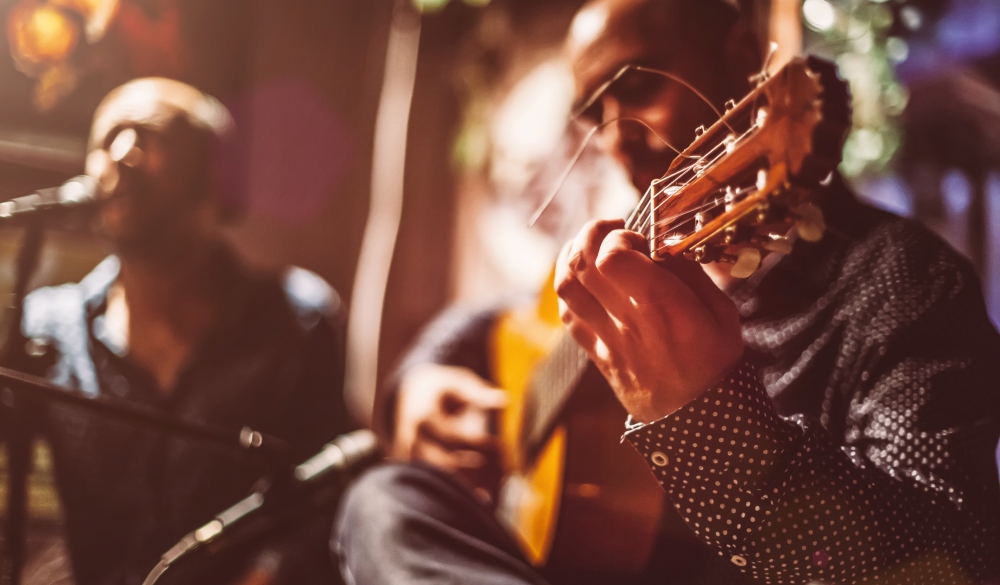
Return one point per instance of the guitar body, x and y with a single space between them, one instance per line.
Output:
584 500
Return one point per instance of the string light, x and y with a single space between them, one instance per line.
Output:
819 14
428 6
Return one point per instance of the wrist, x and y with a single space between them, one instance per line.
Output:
648 406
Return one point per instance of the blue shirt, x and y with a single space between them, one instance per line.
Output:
273 362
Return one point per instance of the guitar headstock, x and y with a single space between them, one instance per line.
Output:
749 178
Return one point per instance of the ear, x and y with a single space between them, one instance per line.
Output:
742 57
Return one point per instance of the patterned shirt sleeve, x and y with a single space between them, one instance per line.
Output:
782 501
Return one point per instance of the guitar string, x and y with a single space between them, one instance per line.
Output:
716 202
579 153
712 162
643 69
643 209
671 180
642 206
646 214
592 99
673 183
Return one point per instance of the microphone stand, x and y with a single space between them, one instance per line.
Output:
23 393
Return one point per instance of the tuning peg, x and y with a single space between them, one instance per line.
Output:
810 222
744 263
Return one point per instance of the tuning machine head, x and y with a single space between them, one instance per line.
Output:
809 222
744 262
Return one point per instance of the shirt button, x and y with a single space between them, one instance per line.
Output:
659 459
738 561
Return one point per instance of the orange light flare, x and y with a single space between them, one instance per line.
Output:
96 14
44 36
40 35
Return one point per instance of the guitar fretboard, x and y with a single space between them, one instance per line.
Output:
557 376
549 390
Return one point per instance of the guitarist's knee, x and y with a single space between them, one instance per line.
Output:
402 504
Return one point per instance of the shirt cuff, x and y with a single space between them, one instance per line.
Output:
731 429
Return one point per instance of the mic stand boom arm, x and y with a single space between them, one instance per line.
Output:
270 453
17 412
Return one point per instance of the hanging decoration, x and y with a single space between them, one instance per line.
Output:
52 41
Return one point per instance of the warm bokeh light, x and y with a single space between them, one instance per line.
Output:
97 14
429 5
820 14
435 5
41 34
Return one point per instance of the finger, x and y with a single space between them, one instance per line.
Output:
576 302
583 256
719 304
691 274
579 330
623 263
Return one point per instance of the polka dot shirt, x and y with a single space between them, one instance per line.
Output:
856 441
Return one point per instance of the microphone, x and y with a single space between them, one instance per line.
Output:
346 453
317 483
77 193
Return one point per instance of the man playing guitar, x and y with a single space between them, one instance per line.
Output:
832 418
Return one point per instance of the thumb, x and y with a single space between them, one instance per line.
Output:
624 261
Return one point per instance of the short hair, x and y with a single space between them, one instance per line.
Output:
139 99
142 101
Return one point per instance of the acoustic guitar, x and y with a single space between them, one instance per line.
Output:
572 492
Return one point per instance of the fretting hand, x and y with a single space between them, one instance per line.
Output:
661 333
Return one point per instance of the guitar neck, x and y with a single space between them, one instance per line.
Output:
558 374
549 391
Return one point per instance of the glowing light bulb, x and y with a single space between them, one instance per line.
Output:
42 34
429 5
819 14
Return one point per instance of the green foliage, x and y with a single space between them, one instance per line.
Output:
427 6
858 34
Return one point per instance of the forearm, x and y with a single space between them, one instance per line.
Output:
787 505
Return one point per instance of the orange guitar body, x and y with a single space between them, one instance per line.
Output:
585 499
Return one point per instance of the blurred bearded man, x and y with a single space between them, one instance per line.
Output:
176 323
